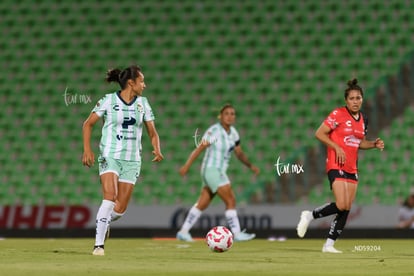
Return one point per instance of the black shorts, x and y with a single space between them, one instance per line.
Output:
342 176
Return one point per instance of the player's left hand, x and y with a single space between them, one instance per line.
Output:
255 169
158 156
379 144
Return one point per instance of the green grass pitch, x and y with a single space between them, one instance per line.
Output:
170 257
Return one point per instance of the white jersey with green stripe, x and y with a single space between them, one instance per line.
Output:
122 129
222 143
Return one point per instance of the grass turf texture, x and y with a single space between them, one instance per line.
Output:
169 257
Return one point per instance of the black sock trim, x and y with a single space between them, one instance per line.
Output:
325 210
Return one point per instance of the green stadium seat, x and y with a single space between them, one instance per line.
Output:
282 72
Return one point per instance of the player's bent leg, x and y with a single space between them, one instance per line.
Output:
226 193
125 190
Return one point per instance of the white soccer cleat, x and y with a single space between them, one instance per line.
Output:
243 236
305 218
330 249
184 236
98 251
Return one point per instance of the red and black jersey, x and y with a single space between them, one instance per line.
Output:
347 132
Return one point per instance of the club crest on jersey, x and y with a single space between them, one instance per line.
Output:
140 108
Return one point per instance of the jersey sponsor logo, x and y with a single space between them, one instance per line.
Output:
352 141
128 121
122 137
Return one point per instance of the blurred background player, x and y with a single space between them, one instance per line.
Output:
124 113
219 141
343 132
406 212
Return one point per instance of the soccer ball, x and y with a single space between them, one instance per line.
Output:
219 239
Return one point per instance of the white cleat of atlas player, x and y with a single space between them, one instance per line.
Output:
330 249
305 218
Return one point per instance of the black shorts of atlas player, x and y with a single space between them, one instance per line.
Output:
341 175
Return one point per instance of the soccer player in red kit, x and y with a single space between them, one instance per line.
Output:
343 132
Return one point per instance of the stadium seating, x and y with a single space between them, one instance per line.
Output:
283 65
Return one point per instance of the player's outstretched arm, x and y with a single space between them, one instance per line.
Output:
193 156
377 143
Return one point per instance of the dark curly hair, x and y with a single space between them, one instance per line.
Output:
121 77
353 85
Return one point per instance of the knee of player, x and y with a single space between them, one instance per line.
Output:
343 206
120 208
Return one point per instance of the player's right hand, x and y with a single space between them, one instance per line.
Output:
88 159
340 156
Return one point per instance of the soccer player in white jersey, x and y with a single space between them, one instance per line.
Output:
219 141
124 113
